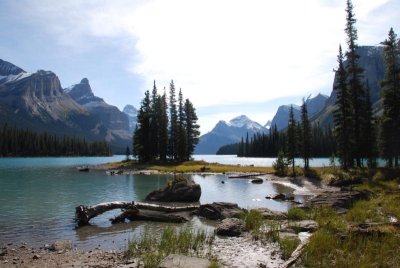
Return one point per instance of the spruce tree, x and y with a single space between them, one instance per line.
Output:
163 126
154 123
291 148
356 88
192 128
142 142
389 144
181 138
173 123
305 136
369 131
343 115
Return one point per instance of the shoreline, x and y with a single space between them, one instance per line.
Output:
23 255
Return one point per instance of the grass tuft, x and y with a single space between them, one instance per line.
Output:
151 250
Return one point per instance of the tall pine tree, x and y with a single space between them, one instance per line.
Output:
355 85
305 134
173 123
291 147
343 116
390 121
192 128
141 138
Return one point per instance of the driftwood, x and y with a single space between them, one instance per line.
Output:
245 176
156 207
296 254
132 211
83 214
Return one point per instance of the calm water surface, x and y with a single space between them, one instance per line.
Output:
38 197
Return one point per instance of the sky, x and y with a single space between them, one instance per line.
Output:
229 57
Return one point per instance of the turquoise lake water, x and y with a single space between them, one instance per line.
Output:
38 197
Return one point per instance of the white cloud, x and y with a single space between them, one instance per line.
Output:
220 52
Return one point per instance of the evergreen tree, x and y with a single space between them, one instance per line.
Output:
390 121
127 153
181 137
142 136
291 140
192 128
356 88
173 123
154 123
163 126
369 136
343 115
305 133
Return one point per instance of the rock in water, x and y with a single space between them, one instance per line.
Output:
230 227
219 211
61 245
182 190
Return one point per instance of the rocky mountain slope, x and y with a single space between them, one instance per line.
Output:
314 106
228 132
371 60
38 102
112 118
132 113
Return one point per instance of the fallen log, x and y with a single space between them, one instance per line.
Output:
144 215
296 254
83 214
246 175
157 207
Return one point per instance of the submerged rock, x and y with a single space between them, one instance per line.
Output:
61 245
177 191
230 227
219 211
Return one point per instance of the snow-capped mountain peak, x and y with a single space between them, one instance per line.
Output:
243 121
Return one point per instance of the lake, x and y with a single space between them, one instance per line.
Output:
38 197
257 161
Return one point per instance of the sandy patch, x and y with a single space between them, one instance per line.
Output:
243 252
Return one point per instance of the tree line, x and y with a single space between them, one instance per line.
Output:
357 137
24 142
360 137
166 129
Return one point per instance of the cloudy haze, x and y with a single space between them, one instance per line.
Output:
229 57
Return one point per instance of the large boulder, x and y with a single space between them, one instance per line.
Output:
219 211
178 190
230 227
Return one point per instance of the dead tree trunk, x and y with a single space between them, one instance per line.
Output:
156 207
83 214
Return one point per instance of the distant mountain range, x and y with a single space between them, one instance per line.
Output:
320 108
228 132
38 102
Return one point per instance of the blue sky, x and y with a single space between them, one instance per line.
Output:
230 57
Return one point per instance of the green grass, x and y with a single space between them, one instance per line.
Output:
253 220
287 246
295 213
151 250
337 243
188 166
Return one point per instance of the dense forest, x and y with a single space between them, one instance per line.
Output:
165 130
23 142
357 138
269 145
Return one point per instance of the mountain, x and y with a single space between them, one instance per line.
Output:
38 102
132 113
268 124
314 106
371 60
226 133
112 118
